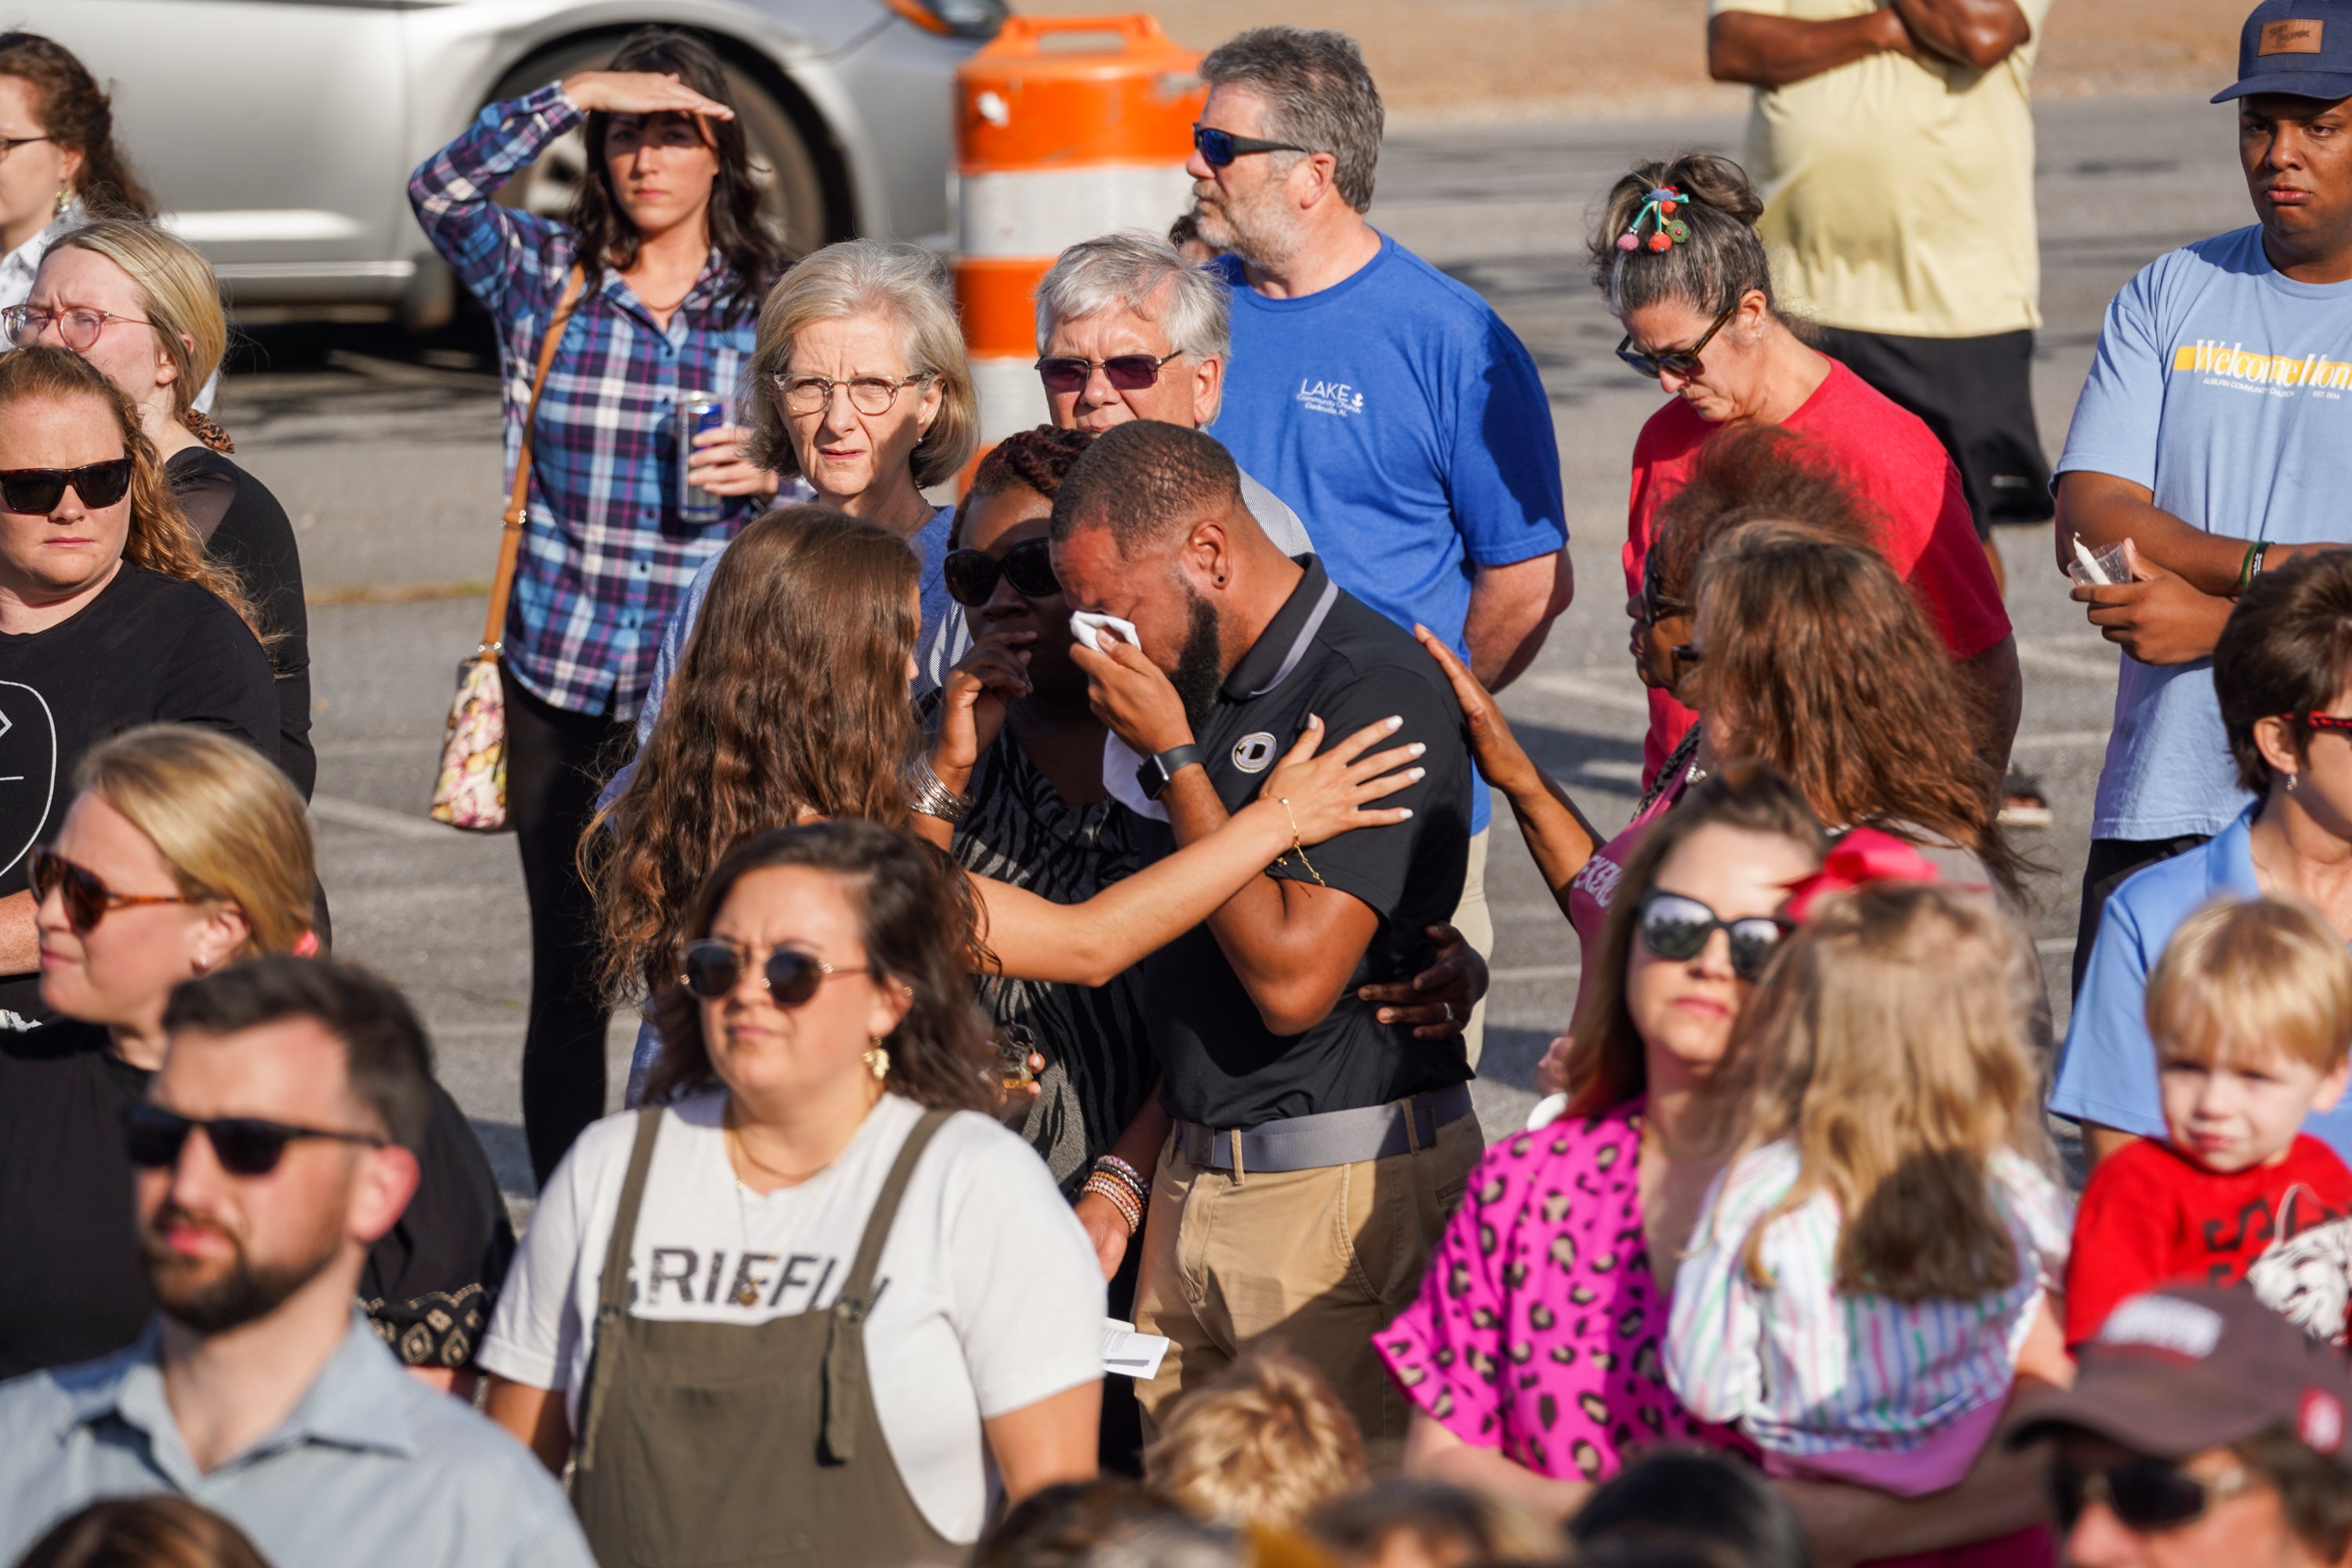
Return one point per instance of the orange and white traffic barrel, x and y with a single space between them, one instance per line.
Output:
1067 128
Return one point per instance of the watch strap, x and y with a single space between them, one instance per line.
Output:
1157 771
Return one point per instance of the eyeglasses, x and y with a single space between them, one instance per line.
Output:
78 325
2145 1495
2327 722
1677 928
244 1145
36 490
971 574
1128 373
867 393
1680 361
10 143
1219 148
1654 605
714 966
87 900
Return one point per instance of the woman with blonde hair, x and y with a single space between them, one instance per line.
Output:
184 851
98 288
1888 1242
110 616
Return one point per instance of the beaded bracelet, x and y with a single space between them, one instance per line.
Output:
1111 1165
1113 1192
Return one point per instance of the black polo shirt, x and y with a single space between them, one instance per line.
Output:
1328 654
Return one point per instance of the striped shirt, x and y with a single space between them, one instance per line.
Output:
1806 1369
606 555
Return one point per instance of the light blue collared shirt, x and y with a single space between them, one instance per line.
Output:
2107 1073
372 1469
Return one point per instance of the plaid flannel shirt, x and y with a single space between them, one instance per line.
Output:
605 555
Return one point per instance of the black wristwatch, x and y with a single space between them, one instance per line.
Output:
1153 777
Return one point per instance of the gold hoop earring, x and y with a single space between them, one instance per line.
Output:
877 1060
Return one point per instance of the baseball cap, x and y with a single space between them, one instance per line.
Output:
2300 47
2179 1371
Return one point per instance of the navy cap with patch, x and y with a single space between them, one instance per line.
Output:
2302 48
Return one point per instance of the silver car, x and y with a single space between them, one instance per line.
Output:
278 134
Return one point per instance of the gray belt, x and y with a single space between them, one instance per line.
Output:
1331 1138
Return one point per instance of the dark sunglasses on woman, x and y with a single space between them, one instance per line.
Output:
244 1145
2146 1496
87 899
1219 148
714 966
1680 362
32 490
971 574
1128 373
1677 927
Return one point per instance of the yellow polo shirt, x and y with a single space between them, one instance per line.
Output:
1900 192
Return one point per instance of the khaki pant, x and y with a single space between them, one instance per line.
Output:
1319 1261
1476 922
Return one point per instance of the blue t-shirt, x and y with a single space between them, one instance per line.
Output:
2106 1070
1408 426
2227 389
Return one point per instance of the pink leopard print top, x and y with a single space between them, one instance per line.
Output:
1539 1328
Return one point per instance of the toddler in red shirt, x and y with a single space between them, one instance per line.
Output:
2251 1009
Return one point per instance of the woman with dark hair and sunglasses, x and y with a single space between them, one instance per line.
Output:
111 615
673 258
697 1319
1562 1259
62 167
183 852
1677 258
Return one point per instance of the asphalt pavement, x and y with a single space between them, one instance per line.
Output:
384 450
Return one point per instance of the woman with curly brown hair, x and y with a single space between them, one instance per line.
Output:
760 1394
111 615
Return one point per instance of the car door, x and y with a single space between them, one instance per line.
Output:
272 131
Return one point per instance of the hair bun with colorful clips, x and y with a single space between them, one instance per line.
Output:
1658 209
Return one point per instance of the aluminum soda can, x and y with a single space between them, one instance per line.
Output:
696 412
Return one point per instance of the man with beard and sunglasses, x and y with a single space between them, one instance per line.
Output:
276 1144
1386 401
2202 1429
1288 1092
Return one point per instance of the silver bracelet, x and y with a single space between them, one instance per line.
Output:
929 797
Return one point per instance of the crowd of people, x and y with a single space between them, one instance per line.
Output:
1052 878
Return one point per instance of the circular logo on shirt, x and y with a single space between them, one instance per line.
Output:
1253 752
29 769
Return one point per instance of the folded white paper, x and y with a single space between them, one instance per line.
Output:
1129 1353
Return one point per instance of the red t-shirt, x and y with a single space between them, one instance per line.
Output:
2151 1216
1894 461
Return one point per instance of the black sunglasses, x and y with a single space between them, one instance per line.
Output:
87 900
714 966
244 1145
1219 148
32 490
1680 362
1677 928
1128 373
2146 1496
971 574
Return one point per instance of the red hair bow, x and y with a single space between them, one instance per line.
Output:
1861 857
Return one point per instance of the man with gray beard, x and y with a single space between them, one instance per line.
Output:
277 1144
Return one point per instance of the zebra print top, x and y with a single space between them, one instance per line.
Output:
1100 1069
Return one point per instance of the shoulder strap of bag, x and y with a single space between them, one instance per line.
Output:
613 1291
518 500
845 1339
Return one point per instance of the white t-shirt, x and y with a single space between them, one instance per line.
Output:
989 1297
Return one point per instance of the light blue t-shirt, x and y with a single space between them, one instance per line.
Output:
2227 389
1407 424
2107 1072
